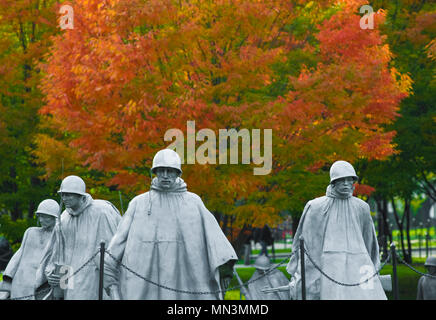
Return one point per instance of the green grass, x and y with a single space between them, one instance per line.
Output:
407 279
287 250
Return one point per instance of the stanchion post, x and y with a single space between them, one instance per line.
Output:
427 236
394 271
100 284
303 270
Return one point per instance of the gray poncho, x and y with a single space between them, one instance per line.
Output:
426 288
24 263
82 232
340 237
173 241
272 279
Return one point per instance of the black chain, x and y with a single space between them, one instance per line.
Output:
48 289
346 284
42 292
195 292
87 262
417 271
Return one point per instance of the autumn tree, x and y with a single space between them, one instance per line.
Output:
410 172
25 27
129 71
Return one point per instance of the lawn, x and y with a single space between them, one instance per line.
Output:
407 280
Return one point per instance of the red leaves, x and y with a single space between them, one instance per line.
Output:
363 190
130 70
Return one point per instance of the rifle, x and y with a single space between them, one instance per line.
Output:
58 293
243 289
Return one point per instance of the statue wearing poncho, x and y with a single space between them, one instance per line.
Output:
21 270
167 236
83 228
339 236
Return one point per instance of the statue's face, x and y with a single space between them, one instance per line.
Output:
166 177
72 200
344 185
46 220
431 270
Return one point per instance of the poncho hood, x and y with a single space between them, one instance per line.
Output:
85 204
178 186
332 193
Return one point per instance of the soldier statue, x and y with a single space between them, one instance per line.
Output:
20 275
266 277
83 225
171 244
339 236
426 284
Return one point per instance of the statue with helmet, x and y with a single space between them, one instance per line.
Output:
427 283
83 224
20 275
266 276
171 242
340 237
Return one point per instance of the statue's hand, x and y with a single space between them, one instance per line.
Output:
114 292
54 280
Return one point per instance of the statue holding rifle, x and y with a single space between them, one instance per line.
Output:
84 223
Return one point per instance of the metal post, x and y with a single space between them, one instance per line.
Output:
419 244
394 271
426 245
303 270
430 239
100 285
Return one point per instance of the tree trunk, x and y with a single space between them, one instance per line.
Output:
383 227
295 223
242 239
400 223
16 210
409 244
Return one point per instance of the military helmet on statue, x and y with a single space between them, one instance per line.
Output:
49 207
167 158
430 262
262 262
342 169
73 184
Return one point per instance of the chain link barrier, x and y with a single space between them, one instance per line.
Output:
42 292
347 284
415 270
198 292
45 291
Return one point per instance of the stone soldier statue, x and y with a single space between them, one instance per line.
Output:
339 236
84 223
427 285
168 236
267 278
20 274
